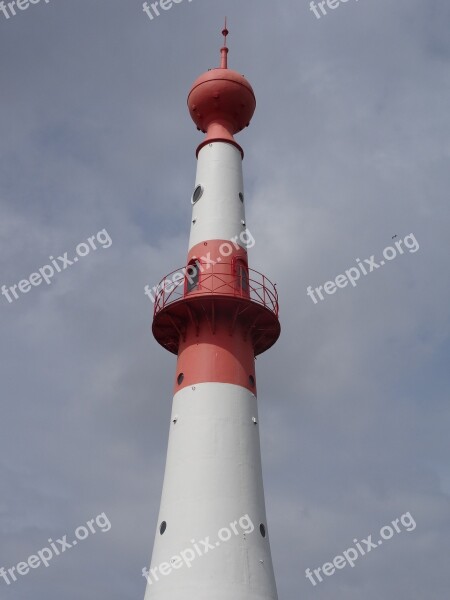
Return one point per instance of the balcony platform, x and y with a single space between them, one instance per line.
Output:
219 295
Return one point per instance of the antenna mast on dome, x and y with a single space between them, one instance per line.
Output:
224 49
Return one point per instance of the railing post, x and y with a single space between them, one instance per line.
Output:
264 289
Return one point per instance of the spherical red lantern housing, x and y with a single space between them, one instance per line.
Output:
221 103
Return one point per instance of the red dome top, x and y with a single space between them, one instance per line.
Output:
221 101
222 96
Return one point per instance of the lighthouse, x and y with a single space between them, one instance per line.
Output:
216 314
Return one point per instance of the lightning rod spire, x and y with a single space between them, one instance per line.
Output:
224 49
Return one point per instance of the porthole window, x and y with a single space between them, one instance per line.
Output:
252 380
180 378
198 193
162 527
241 196
262 529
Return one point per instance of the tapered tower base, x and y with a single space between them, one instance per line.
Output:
212 506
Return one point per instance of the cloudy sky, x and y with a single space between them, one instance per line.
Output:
349 147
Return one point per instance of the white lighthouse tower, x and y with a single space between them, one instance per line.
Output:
216 314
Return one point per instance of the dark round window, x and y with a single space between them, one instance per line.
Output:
180 378
262 529
162 527
241 196
251 380
198 192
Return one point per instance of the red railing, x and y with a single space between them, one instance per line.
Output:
216 279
